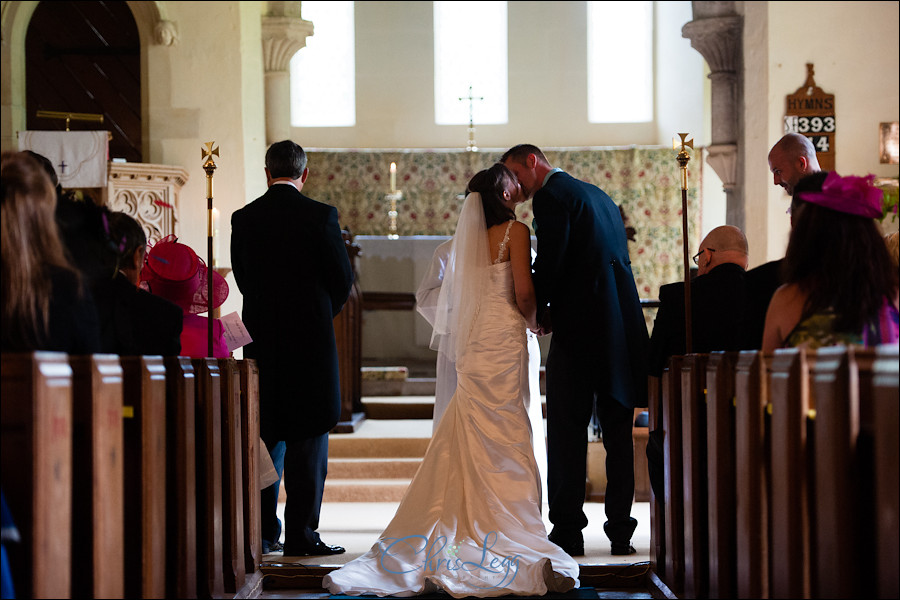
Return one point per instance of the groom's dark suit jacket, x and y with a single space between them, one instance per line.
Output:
583 272
292 268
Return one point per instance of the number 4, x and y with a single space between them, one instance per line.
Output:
822 143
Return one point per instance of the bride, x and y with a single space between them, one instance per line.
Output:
470 523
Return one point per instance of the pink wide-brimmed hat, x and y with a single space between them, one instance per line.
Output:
851 195
173 271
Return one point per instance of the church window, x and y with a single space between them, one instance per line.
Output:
323 74
470 51
620 62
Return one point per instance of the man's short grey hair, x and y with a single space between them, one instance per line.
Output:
285 159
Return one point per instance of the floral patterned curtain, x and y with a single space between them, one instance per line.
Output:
644 181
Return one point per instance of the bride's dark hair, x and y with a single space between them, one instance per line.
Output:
491 183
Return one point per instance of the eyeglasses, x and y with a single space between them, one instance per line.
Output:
696 257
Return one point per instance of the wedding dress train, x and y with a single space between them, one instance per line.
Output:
470 523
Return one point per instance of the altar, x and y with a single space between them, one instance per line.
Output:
395 265
645 182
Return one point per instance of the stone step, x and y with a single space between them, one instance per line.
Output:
364 490
401 407
382 438
373 468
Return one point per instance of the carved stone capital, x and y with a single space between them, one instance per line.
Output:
723 159
282 37
718 40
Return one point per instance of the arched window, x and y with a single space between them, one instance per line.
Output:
323 75
470 50
620 62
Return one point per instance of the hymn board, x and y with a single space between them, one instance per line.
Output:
810 112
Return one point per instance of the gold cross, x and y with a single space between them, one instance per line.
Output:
684 144
207 152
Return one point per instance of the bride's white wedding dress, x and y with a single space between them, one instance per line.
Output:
470 523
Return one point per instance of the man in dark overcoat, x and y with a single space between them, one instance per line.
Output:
292 268
596 362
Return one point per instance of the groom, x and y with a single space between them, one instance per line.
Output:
582 275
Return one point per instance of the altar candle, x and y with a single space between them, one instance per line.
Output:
393 177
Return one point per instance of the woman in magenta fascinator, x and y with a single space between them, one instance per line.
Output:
840 283
174 271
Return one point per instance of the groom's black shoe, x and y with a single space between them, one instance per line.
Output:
571 543
320 549
622 549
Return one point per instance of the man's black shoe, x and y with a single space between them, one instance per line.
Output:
320 549
573 544
622 549
269 548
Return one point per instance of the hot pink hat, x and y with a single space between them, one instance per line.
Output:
851 195
175 272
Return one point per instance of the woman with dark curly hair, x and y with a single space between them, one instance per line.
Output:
841 286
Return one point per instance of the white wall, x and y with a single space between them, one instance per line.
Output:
853 46
547 82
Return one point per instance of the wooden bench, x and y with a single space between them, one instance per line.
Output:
98 506
36 455
793 485
145 478
131 476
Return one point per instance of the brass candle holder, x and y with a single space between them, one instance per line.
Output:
392 199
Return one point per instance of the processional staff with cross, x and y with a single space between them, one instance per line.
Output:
471 147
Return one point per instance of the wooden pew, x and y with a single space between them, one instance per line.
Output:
657 507
842 478
751 477
36 417
722 502
886 424
250 441
181 482
693 428
210 582
145 476
789 394
674 476
97 475
234 569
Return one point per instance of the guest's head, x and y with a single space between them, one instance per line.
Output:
529 165
30 244
836 253
500 192
286 161
723 245
792 157
48 168
807 183
128 244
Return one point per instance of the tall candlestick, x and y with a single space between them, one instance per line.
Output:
393 177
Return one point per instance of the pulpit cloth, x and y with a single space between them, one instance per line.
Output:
79 157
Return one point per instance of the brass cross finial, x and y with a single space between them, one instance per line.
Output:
207 153
209 165
683 156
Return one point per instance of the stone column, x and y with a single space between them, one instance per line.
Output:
716 34
284 32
